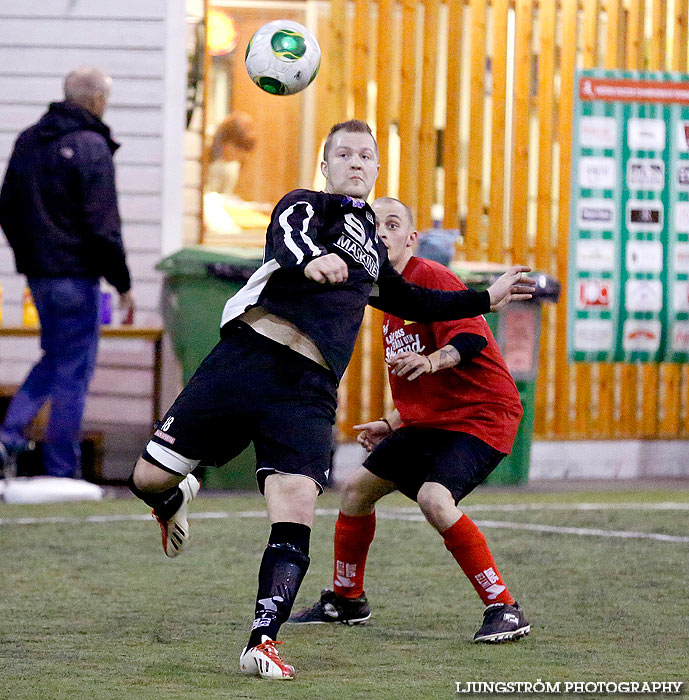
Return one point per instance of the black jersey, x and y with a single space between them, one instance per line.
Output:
305 225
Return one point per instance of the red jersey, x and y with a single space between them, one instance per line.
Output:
479 398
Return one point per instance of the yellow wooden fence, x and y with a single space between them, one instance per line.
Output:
472 104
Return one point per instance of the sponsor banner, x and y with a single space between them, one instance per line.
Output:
628 282
682 134
644 256
646 134
682 176
593 335
643 295
682 217
645 173
641 336
680 296
594 294
598 132
680 337
597 173
644 215
595 255
633 90
596 215
681 258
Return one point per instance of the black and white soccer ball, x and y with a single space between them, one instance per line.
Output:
282 57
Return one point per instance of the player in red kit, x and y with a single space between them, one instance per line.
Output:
456 415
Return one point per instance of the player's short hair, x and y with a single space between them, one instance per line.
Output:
356 126
407 210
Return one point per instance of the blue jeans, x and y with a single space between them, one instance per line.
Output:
68 310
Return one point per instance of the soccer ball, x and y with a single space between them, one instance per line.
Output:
282 57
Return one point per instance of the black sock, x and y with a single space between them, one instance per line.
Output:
283 567
164 503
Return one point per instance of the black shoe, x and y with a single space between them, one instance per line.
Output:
334 608
8 462
11 457
502 623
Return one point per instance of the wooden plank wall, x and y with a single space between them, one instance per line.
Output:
494 79
193 140
40 42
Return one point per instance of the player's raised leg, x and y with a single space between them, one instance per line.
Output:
503 619
354 531
203 423
168 494
291 501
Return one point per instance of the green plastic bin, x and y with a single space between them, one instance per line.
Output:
517 330
514 469
197 283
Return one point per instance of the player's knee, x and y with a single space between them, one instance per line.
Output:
291 498
437 504
149 477
355 497
430 505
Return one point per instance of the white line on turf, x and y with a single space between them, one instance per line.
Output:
584 531
516 507
412 514
389 513
115 518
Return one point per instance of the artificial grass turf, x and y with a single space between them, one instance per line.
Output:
94 610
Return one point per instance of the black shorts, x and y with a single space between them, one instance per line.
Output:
412 456
252 389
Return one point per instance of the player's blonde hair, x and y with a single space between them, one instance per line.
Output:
356 126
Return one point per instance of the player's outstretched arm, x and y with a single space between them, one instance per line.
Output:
511 286
401 298
327 269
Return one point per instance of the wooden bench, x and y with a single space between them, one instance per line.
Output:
92 441
152 334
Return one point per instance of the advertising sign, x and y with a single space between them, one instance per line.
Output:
629 219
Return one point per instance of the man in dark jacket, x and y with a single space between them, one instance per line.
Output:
58 210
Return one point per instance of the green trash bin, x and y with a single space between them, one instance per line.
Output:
197 283
517 330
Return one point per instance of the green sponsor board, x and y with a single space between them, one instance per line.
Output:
629 219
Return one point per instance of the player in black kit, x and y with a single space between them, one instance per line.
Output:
286 339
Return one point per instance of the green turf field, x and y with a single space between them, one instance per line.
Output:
92 610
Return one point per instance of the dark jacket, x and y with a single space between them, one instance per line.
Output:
58 205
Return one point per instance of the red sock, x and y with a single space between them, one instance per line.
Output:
353 537
468 546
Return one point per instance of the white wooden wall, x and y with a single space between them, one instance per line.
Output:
142 45
193 140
